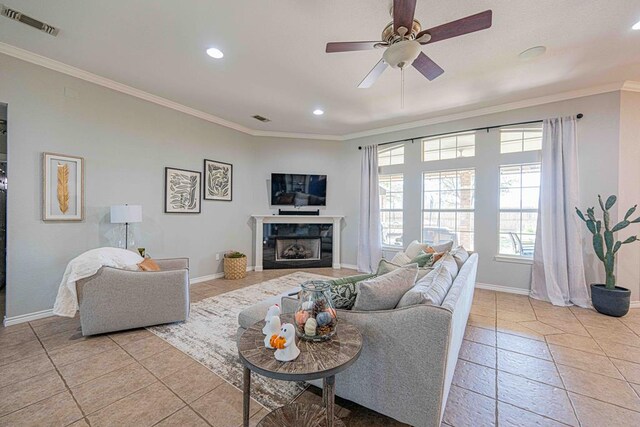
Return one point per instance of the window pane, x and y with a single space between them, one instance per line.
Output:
448 203
390 155
510 198
451 146
517 139
519 193
391 205
509 222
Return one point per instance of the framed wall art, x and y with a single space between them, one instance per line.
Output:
218 180
181 191
63 187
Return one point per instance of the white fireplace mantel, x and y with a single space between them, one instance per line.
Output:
297 219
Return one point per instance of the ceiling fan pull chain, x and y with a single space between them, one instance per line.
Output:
402 87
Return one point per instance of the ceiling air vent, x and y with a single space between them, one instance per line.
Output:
261 118
21 17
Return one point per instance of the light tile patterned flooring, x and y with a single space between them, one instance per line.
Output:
523 362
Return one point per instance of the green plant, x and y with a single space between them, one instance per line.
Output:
603 240
234 254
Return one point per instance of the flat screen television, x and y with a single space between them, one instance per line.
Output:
288 189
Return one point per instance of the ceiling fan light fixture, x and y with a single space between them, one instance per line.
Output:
402 54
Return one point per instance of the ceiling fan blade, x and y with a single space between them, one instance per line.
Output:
350 46
403 11
373 75
427 67
477 22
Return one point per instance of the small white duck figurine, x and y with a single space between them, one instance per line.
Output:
272 324
286 343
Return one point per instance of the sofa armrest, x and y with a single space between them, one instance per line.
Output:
115 299
173 263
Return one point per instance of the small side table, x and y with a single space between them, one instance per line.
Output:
317 360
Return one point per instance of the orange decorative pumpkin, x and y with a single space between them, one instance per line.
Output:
277 342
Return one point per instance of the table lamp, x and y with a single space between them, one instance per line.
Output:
126 214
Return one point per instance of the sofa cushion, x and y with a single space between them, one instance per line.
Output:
256 312
343 290
449 263
414 249
401 259
432 289
385 267
442 247
384 292
424 259
460 255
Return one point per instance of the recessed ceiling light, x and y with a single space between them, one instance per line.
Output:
532 52
636 26
215 53
318 112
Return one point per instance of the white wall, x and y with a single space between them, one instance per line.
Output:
126 143
598 158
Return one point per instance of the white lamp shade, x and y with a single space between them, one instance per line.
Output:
126 213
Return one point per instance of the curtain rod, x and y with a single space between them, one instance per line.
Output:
487 128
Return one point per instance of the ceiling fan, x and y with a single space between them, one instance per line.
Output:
403 38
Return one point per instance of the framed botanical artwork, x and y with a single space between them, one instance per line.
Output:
181 191
63 187
218 180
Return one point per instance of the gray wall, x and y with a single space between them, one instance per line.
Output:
598 139
126 143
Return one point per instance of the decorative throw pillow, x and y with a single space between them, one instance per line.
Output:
414 249
400 259
442 247
343 290
423 259
432 289
385 267
384 292
461 256
149 265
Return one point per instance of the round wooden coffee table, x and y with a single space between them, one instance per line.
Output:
317 360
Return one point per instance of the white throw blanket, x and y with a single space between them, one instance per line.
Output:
86 265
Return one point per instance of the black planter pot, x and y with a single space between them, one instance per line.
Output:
612 302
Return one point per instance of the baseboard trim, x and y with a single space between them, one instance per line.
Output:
15 320
634 304
499 288
349 266
208 277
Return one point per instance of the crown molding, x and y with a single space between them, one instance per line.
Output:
532 102
631 86
69 70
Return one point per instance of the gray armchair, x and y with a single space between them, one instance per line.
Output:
114 299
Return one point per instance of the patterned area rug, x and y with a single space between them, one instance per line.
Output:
209 336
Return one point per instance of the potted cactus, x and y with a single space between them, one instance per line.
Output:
608 298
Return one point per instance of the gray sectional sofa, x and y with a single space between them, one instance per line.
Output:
409 354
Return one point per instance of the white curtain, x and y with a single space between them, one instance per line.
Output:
369 233
558 267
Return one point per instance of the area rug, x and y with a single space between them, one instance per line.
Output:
209 336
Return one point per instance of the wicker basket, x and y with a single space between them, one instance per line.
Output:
235 268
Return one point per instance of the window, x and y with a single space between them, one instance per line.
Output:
449 147
519 193
391 156
448 207
391 189
518 139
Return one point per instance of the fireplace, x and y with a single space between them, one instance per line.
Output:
298 249
297 246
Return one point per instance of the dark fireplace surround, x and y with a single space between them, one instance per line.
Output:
297 246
